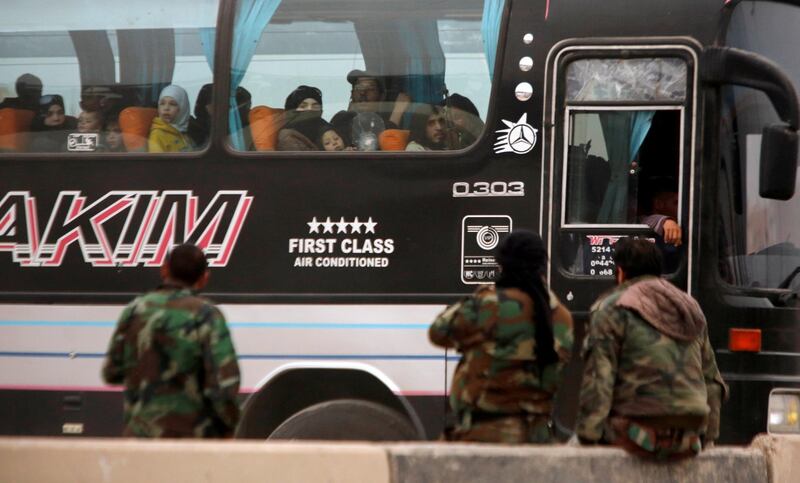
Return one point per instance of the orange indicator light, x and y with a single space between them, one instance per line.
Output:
744 340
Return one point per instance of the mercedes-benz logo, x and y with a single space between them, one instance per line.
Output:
518 138
522 138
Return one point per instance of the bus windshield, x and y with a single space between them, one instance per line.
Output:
760 239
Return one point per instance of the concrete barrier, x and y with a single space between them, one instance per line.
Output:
122 461
481 463
60 460
783 456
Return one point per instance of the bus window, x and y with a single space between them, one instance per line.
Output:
361 75
759 245
88 80
624 151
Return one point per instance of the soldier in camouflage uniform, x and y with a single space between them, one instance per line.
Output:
515 339
650 382
173 353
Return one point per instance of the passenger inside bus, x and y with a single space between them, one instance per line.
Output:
90 121
303 120
168 133
660 211
112 136
368 94
51 126
101 99
463 121
331 140
200 124
29 90
427 129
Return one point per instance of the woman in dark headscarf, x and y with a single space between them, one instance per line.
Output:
51 126
515 338
200 124
303 120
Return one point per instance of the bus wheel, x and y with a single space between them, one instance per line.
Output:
347 419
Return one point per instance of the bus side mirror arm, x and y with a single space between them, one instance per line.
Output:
779 142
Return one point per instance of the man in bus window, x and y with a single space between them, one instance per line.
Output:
29 90
368 94
463 121
173 354
663 212
650 381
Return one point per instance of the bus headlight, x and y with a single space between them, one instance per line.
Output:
784 411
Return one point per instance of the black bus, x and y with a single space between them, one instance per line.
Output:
349 166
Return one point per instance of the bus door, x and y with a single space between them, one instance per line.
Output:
620 156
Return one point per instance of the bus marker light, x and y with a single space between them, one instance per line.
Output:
744 340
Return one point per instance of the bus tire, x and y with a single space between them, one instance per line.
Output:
347 419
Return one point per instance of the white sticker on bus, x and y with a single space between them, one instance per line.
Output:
480 235
341 243
518 137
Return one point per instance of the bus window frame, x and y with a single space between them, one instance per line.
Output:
559 57
569 109
223 57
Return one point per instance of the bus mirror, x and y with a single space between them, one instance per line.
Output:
778 167
725 65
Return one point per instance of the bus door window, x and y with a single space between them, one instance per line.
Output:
624 151
88 80
415 78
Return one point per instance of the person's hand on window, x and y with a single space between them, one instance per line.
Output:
672 233
401 105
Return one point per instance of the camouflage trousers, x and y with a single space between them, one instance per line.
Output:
661 444
506 429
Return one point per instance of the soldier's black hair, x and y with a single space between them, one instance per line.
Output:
187 263
638 257
523 258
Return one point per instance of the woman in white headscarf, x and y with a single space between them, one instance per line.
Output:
168 131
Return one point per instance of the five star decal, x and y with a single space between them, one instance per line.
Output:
519 137
341 226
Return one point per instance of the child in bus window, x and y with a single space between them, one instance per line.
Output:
51 125
112 135
331 140
90 122
168 133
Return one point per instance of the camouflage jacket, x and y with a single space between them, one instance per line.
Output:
647 354
172 351
494 332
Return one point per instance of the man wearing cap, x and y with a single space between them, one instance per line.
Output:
368 94
100 98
